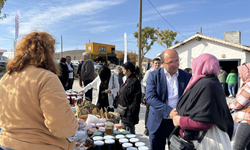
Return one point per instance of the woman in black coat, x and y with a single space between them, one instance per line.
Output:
64 73
130 97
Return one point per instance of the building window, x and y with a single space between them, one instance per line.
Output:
103 49
89 48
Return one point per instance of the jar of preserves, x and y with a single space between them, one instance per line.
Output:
109 128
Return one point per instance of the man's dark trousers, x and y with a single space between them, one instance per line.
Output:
70 83
89 93
146 114
158 139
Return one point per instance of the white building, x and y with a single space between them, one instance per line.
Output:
229 51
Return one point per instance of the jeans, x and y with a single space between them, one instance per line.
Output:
231 89
223 86
89 93
242 137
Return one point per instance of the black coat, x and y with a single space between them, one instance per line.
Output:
64 74
131 98
205 102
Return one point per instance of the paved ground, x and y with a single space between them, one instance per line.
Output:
139 127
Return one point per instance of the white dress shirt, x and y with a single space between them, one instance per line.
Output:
172 83
71 73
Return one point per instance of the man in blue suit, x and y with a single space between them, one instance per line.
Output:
164 88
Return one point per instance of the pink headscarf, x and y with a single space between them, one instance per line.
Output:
244 72
205 64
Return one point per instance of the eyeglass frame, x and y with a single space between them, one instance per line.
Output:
170 63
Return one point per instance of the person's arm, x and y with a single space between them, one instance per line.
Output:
91 85
188 124
242 99
227 78
58 116
145 78
136 98
116 85
153 100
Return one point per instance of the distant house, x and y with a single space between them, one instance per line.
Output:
230 52
2 51
102 52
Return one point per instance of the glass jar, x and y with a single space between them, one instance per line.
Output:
97 138
109 128
117 138
138 144
126 145
129 136
134 140
110 144
98 145
143 148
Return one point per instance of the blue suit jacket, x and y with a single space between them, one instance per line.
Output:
157 96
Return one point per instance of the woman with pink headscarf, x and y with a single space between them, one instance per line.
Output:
203 107
241 105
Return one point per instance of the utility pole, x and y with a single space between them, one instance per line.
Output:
139 33
61 47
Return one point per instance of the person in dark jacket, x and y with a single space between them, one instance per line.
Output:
64 73
71 72
78 72
87 73
130 97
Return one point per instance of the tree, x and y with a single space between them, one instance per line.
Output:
1 6
166 38
147 40
132 56
91 56
119 55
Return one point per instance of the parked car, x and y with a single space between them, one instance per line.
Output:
9 55
75 63
97 66
3 60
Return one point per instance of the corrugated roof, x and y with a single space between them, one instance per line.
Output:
198 35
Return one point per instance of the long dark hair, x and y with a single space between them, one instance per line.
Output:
133 69
104 73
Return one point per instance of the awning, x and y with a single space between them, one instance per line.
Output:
105 55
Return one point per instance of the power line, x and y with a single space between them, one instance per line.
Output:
165 19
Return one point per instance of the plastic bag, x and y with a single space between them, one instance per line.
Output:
94 119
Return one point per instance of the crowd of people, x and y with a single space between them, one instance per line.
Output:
187 105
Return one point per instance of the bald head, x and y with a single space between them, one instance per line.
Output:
170 61
168 52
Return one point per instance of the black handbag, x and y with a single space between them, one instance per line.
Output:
178 143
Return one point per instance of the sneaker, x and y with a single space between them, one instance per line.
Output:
146 132
230 96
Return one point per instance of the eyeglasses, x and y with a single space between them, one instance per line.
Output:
245 64
173 62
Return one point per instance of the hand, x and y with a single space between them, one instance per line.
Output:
176 120
81 92
107 91
71 70
66 84
173 113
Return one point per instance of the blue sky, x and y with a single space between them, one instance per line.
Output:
106 21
